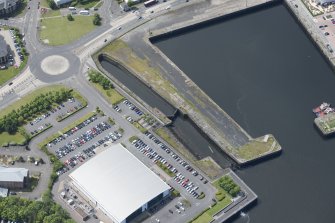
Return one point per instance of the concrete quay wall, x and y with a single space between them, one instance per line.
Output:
306 20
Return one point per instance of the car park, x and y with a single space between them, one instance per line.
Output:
179 178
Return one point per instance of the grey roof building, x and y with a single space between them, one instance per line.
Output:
13 177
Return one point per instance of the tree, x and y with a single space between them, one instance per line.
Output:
52 4
97 19
70 17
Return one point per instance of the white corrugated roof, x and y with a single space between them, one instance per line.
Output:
12 174
118 182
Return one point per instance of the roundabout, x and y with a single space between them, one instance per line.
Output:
55 65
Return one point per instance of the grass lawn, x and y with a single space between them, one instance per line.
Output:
208 215
6 75
44 4
257 147
87 4
209 166
28 98
139 127
59 31
165 169
131 139
164 135
111 95
204 218
51 13
6 138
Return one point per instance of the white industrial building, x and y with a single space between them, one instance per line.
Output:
118 185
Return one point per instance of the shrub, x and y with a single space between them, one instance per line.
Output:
97 19
70 17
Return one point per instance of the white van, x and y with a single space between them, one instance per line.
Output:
84 12
72 8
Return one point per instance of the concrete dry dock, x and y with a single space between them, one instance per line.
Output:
326 124
179 90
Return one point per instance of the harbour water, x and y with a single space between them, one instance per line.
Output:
265 72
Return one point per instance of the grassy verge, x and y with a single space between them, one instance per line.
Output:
6 138
29 98
40 132
165 169
111 95
256 148
86 4
59 133
204 218
131 139
165 136
44 4
175 193
79 97
208 214
11 72
140 127
51 13
77 122
210 167
59 31
49 139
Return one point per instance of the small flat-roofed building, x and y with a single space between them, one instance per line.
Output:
13 178
118 185
7 6
3 192
3 50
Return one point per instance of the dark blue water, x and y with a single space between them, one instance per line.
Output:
267 74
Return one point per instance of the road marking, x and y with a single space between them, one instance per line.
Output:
210 149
